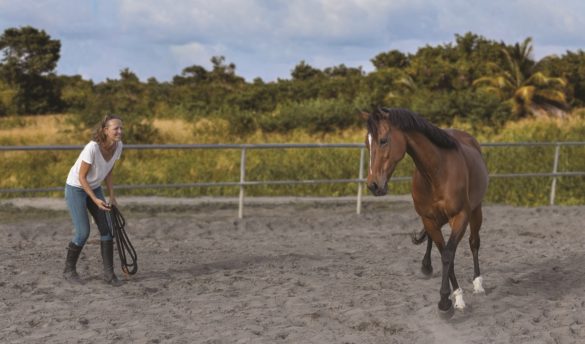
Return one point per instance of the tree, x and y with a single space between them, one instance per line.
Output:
519 83
343 71
29 59
391 59
571 67
192 74
126 97
75 92
434 68
225 73
304 71
473 53
28 51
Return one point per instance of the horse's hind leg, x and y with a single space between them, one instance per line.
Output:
427 267
475 222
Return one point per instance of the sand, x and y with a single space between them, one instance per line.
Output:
300 272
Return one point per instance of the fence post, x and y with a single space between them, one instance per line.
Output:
242 179
553 187
360 186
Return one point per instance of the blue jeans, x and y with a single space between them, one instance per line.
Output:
79 203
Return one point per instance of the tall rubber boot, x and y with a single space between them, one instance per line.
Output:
107 248
70 272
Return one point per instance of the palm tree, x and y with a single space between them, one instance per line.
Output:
519 83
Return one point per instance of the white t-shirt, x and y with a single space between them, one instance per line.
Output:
99 169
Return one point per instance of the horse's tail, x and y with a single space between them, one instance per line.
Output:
418 238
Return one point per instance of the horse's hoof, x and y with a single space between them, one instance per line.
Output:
427 271
446 313
478 285
458 297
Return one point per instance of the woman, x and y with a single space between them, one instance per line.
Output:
83 192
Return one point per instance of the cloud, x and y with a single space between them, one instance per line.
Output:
206 21
195 54
549 22
268 38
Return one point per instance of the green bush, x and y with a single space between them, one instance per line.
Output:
316 116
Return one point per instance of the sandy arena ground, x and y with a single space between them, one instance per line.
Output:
302 272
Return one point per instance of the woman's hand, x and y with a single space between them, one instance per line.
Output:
102 204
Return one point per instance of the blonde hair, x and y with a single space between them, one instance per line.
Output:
98 131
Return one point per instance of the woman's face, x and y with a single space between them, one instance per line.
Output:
113 130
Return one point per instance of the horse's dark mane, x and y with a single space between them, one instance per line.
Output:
407 120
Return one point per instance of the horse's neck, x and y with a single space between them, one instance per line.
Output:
425 154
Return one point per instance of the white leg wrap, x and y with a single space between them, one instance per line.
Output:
477 285
458 296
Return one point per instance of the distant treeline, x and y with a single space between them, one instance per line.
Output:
474 80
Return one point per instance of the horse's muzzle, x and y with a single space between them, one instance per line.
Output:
378 190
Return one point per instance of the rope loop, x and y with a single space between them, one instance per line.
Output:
125 248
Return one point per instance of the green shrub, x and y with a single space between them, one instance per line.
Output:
316 116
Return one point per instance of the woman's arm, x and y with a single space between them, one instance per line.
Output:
83 171
110 185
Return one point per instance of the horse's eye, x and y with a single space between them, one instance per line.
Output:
383 141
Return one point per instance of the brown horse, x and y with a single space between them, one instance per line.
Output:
448 185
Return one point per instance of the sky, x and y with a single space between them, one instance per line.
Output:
268 38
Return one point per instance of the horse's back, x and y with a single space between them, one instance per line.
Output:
478 173
464 138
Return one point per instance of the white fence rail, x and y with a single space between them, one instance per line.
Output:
243 183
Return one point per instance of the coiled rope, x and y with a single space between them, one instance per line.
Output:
125 248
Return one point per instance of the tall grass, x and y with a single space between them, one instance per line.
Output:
536 190
35 130
49 169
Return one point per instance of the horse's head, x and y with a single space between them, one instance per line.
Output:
387 146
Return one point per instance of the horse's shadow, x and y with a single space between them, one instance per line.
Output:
223 265
553 278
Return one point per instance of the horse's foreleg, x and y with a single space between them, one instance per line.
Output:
475 222
434 232
458 226
447 257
